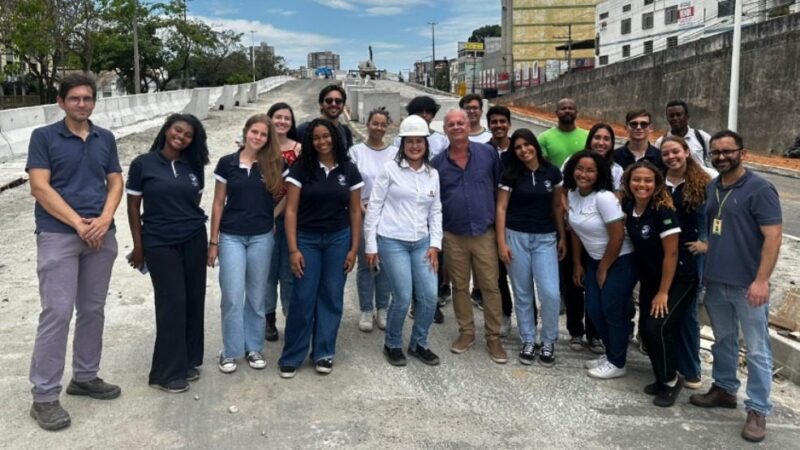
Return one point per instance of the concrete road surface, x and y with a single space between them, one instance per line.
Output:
466 402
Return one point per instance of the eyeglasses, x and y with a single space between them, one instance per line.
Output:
472 108
636 124
332 100
76 100
726 152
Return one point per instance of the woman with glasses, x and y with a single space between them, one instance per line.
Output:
374 289
609 272
282 117
403 231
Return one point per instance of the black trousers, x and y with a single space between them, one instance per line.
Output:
659 334
573 298
178 273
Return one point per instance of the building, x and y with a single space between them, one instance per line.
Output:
470 66
423 74
631 28
533 31
323 59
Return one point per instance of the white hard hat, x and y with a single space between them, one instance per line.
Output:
413 126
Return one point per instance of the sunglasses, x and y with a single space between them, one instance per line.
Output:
331 101
635 124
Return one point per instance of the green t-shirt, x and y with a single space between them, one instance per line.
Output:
558 146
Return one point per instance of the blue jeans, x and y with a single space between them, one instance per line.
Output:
317 298
279 271
609 307
243 266
728 309
534 257
407 269
371 286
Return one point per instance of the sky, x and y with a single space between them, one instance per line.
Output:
398 30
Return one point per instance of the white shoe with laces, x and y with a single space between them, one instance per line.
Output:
256 360
381 318
365 323
607 371
592 363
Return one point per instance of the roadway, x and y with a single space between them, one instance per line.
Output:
466 402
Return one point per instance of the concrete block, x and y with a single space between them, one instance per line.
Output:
213 96
16 126
242 91
52 113
786 355
139 107
353 96
127 116
369 100
252 93
225 100
198 106
163 104
100 115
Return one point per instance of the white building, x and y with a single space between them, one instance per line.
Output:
631 28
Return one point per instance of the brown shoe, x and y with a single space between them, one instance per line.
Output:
755 427
462 344
496 351
715 397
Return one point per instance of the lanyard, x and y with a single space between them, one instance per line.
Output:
721 203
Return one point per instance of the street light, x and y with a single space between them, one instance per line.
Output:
433 51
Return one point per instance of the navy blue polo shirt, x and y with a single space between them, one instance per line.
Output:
170 192
624 156
344 133
646 232
78 170
530 206
249 206
324 197
468 195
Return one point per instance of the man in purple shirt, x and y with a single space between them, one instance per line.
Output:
469 173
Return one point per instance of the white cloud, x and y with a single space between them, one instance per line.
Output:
281 12
338 4
384 11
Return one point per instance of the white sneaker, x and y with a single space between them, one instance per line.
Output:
365 323
381 318
226 365
505 326
593 363
256 360
607 371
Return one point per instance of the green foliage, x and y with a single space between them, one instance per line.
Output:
478 35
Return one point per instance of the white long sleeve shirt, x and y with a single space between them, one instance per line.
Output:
404 205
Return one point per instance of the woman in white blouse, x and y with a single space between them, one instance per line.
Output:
403 230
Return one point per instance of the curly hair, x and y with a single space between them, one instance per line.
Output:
604 182
696 179
661 197
196 154
270 162
309 158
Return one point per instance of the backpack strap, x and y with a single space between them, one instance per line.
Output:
699 137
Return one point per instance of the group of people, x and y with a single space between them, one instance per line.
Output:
431 215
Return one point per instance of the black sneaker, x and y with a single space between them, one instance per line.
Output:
287 371
547 355
324 366
395 356
50 415
654 388
477 298
425 355
668 395
96 388
444 294
438 315
271 333
193 374
527 354
173 387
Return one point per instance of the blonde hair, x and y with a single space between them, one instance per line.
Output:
269 158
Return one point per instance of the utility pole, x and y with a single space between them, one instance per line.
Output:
569 48
473 72
186 44
137 88
733 101
253 52
433 51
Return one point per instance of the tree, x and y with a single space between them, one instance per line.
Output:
478 35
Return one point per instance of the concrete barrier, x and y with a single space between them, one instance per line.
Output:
214 95
198 106
139 107
369 100
242 91
127 116
52 113
225 100
16 126
353 99
252 93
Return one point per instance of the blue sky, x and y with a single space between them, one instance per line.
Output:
396 29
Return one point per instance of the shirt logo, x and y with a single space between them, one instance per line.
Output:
431 193
548 185
646 232
341 180
194 180
667 221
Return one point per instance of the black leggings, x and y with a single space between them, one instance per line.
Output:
659 334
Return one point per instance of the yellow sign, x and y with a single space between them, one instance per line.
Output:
473 46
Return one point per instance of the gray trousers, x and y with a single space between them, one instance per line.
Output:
71 276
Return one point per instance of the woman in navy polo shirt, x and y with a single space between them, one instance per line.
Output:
323 227
170 237
530 240
597 220
601 140
667 275
241 235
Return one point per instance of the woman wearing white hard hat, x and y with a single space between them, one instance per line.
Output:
403 230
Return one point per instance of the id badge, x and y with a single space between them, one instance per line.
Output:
716 227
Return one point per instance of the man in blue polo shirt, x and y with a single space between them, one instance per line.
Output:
469 173
76 179
745 233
